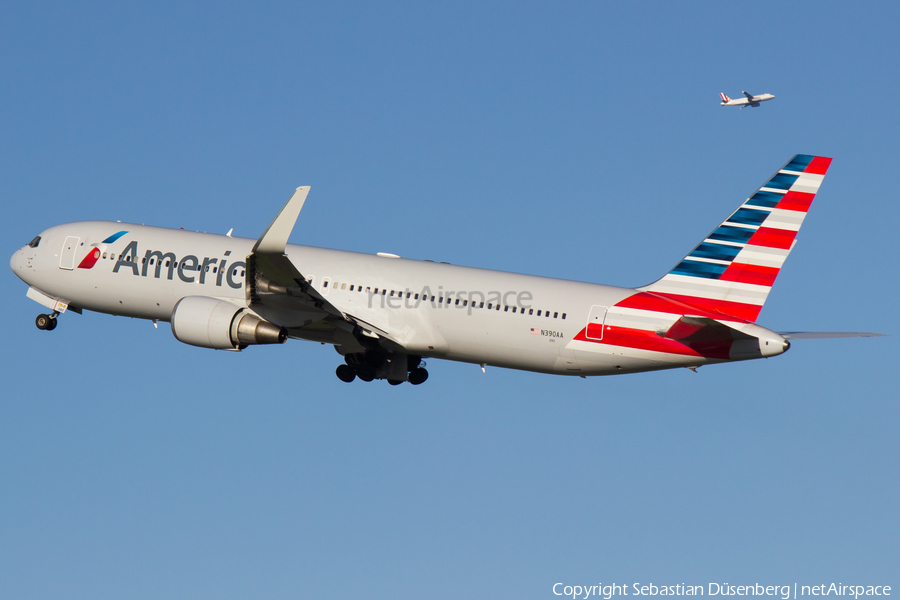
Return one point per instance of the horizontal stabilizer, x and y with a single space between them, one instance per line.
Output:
702 329
820 335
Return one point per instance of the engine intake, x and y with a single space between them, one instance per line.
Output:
210 323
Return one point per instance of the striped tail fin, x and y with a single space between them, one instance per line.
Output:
733 269
724 97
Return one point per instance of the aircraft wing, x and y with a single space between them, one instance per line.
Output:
279 292
749 96
275 288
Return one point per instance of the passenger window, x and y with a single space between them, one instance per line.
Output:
112 256
351 287
490 305
417 297
530 311
505 309
344 286
564 315
481 305
514 308
555 315
539 313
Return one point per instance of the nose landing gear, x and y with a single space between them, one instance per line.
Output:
46 322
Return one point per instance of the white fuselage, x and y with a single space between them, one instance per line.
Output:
476 315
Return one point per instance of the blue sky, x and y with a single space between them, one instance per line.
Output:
581 140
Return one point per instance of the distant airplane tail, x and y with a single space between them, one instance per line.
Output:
732 271
724 97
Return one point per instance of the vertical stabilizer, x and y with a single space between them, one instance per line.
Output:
733 269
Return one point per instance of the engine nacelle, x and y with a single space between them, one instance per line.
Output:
210 323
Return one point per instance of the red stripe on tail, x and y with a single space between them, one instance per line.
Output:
754 274
692 305
798 201
818 166
773 238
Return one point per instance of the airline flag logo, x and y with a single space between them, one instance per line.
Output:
93 256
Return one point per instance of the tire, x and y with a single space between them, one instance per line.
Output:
43 321
418 376
52 325
365 373
345 373
394 381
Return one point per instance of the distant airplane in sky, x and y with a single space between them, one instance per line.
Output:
385 314
749 100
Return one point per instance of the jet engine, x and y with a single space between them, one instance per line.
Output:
210 323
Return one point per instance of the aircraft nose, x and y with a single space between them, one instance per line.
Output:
17 261
20 263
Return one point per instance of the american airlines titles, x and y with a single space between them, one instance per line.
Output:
223 270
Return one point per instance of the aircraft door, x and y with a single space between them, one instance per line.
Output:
67 254
596 319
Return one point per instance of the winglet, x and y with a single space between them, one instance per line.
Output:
275 237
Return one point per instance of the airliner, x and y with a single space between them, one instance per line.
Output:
748 100
385 315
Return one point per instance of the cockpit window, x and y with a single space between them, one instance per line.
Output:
34 243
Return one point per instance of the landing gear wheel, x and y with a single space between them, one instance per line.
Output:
365 373
418 376
395 381
345 373
52 325
45 322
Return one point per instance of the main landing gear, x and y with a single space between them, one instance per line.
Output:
373 365
46 322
